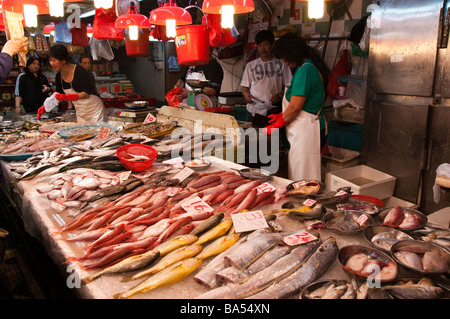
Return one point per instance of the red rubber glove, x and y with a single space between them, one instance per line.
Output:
40 111
279 123
274 117
66 97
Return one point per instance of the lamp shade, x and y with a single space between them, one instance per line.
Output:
170 11
131 18
17 6
240 6
49 28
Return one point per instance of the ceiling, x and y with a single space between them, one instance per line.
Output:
88 5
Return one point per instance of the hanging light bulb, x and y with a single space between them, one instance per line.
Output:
133 32
171 28
30 13
315 9
227 14
56 8
132 21
105 4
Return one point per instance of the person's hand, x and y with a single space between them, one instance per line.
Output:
276 124
18 110
14 46
45 88
275 99
248 98
40 111
66 97
183 94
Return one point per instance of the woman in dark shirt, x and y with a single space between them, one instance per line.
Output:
34 87
74 79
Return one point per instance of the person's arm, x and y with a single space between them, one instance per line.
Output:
6 64
294 108
179 84
246 93
10 48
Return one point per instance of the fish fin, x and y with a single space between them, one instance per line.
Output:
127 278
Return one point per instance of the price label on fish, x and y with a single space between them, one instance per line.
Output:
123 176
171 191
87 144
196 204
265 187
103 132
248 221
299 184
299 238
183 174
341 193
173 161
309 202
362 219
150 118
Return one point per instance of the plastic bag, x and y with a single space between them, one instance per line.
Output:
218 37
79 35
100 49
171 97
104 25
342 67
62 33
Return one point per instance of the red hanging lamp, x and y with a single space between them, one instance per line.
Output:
133 22
227 8
170 15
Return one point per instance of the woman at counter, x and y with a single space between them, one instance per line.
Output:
302 109
34 87
73 79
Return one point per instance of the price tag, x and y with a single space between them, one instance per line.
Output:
248 221
299 184
123 176
173 160
172 191
309 202
265 187
87 144
149 118
196 204
183 174
299 238
362 219
103 132
340 193
54 135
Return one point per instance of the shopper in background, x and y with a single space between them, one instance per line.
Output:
302 109
73 81
264 80
10 48
18 99
34 87
85 62
212 72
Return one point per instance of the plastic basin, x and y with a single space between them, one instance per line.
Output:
125 154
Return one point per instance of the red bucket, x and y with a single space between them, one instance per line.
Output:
192 45
139 47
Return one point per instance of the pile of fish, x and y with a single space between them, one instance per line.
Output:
359 206
396 218
267 270
424 288
422 258
337 290
362 264
33 145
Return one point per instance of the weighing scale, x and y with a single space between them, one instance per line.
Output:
196 98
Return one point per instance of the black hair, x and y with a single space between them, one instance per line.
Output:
264 35
59 52
83 56
29 61
291 48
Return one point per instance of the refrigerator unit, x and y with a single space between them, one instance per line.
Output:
406 132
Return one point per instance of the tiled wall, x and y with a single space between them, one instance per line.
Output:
340 27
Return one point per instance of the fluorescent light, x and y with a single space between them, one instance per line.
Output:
315 9
87 14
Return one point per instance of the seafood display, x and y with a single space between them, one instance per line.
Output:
174 224
422 257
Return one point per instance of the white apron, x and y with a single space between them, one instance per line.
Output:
303 134
90 110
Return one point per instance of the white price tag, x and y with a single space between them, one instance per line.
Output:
87 144
340 193
149 118
362 219
103 132
299 238
265 187
299 184
173 160
171 191
183 174
196 204
123 176
309 202
248 221
54 135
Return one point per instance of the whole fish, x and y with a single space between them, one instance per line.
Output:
32 172
174 243
312 269
424 289
236 275
282 268
129 264
170 259
167 276
107 191
215 232
218 246
207 224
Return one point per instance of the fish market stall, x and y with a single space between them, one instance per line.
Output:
85 212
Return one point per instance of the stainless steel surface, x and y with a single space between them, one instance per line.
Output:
403 49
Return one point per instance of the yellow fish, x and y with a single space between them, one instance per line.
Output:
219 245
219 230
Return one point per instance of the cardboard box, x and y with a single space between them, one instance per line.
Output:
340 158
394 201
363 180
